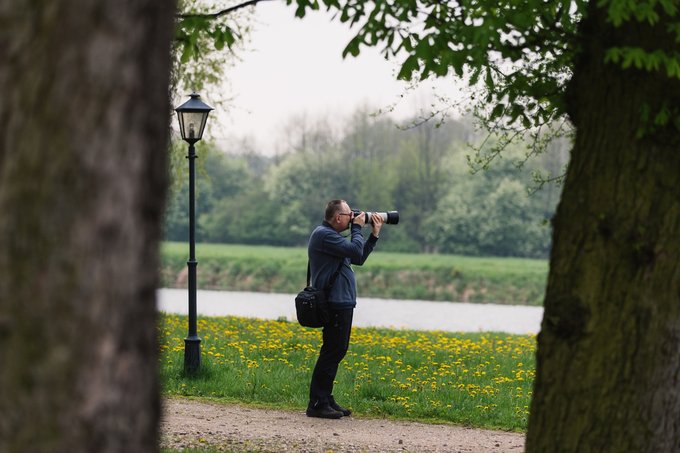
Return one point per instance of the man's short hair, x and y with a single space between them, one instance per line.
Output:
332 208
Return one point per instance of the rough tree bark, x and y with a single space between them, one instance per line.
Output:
84 122
608 372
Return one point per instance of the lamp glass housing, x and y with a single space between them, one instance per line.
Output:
192 116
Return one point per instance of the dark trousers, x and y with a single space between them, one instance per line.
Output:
333 350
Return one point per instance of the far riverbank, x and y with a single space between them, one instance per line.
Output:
388 275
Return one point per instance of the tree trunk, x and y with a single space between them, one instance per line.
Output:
84 118
608 360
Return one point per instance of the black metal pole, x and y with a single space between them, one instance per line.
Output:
192 344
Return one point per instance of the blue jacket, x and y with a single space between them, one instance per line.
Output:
326 250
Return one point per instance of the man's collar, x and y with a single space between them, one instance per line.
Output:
327 224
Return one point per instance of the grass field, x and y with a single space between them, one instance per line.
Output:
389 275
481 380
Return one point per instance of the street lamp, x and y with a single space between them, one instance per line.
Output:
192 116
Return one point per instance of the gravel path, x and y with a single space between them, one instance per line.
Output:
193 424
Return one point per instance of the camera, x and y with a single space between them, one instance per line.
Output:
389 217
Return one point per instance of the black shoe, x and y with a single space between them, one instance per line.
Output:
337 407
322 411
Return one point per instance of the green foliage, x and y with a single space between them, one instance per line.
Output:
521 52
498 45
620 11
208 35
639 58
518 54
303 183
492 213
421 172
192 31
216 177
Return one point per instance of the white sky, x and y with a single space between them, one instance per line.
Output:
294 67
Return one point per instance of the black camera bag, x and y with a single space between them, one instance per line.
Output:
311 304
311 307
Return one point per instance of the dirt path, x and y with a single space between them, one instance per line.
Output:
192 424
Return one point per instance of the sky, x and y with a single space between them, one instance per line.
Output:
294 66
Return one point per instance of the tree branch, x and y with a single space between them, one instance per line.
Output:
226 11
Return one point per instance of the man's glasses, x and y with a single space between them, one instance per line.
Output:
343 213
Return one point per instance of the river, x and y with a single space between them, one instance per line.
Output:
370 312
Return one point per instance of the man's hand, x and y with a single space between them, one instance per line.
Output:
360 219
377 224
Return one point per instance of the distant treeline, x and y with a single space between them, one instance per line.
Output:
244 197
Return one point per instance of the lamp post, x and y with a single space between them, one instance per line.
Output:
192 116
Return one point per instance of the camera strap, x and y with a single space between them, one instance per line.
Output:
333 277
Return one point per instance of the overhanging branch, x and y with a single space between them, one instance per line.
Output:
224 12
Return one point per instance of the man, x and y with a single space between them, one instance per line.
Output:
328 250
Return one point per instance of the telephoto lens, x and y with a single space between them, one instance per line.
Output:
389 217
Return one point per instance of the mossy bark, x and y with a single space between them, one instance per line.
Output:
608 360
84 115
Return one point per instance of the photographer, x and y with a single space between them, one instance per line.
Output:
327 250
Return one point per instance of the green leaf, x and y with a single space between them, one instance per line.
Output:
474 78
300 11
229 36
662 117
670 7
673 67
674 28
352 47
186 53
219 41
410 65
632 56
489 79
497 111
613 55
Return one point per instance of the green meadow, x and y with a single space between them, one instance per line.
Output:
480 380
517 281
